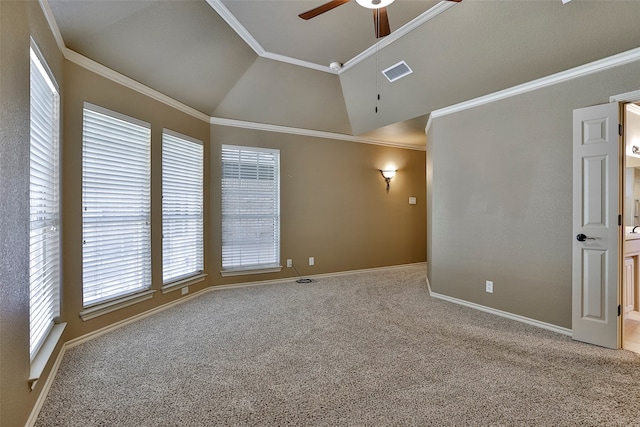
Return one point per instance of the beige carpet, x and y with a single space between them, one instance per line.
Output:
363 349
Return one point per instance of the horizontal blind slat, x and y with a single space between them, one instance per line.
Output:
44 250
250 207
182 207
116 202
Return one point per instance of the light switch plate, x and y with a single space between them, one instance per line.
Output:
412 200
489 286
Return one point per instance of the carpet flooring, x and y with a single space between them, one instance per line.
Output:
365 349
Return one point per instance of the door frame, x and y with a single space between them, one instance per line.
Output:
622 100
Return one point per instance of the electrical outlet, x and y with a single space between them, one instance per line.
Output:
185 290
489 286
312 261
289 263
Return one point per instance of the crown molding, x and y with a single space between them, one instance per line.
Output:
627 97
233 22
125 81
110 74
623 58
299 62
399 33
308 132
128 82
230 19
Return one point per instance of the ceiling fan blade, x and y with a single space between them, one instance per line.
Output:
381 22
322 9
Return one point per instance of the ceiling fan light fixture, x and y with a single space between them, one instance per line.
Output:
374 4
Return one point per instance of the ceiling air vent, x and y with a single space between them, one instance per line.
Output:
397 71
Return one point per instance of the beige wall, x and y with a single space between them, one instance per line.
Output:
85 86
334 205
18 20
501 197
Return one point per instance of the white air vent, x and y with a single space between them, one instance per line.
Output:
397 71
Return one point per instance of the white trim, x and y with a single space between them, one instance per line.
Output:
300 62
179 284
33 417
44 354
230 19
43 66
308 132
505 314
110 74
114 305
127 82
116 115
109 328
633 96
181 136
398 34
428 126
233 22
57 35
563 76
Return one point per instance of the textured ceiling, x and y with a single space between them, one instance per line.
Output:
255 60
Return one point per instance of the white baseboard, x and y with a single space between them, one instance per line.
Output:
94 334
517 317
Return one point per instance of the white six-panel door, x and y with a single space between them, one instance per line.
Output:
596 229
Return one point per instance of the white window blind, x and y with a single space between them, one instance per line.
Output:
116 205
182 207
250 208
44 246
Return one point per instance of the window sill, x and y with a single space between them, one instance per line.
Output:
251 270
179 284
44 354
114 305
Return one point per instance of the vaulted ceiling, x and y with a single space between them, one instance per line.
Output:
257 61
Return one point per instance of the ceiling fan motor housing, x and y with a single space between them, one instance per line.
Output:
374 4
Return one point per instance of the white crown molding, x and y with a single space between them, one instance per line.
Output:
308 132
299 62
53 25
399 33
236 26
633 96
233 22
110 74
623 58
125 81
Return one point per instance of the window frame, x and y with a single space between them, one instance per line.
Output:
231 254
44 179
100 213
182 207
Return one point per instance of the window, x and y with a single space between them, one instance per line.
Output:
250 208
44 215
182 225
116 205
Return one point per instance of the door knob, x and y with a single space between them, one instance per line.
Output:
581 238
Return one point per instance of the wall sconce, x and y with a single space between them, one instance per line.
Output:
387 175
635 149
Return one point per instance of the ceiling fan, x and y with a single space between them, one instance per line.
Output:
379 7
